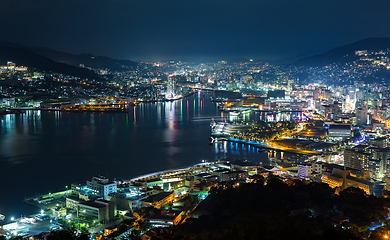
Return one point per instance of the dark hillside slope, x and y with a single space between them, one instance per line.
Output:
23 57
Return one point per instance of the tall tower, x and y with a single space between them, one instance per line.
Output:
170 87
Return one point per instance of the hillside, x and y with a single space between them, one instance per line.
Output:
345 53
24 57
88 60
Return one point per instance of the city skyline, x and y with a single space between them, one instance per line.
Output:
156 30
140 138
143 119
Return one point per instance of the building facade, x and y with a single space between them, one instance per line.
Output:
100 210
100 186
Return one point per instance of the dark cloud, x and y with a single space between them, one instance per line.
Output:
145 29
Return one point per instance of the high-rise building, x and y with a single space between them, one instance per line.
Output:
332 111
170 87
357 157
361 116
382 155
364 157
321 93
349 103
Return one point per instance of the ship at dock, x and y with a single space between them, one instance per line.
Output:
98 108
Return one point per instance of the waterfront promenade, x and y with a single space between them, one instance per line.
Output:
271 147
223 131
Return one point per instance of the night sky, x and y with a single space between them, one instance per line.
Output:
185 29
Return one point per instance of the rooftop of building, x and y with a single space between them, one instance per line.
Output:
361 147
359 180
104 183
137 184
108 183
167 215
153 180
305 164
340 127
235 172
203 175
157 197
266 168
382 149
328 167
243 163
100 177
92 203
102 201
222 170
211 178
355 179
74 198
128 196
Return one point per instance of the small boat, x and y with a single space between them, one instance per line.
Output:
2 217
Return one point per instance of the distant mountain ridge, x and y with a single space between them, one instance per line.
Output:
88 60
23 57
287 60
345 53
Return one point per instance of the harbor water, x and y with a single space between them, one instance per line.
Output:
47 151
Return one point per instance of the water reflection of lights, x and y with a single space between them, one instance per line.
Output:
171 132
188 110
135 116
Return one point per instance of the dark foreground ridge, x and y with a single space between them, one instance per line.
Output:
279 210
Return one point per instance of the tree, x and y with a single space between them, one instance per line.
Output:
68 234
258 179
84 235
353 193
62 235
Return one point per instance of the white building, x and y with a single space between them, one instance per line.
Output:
304 171
7 102
310 171
170 88
101 186
339 131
